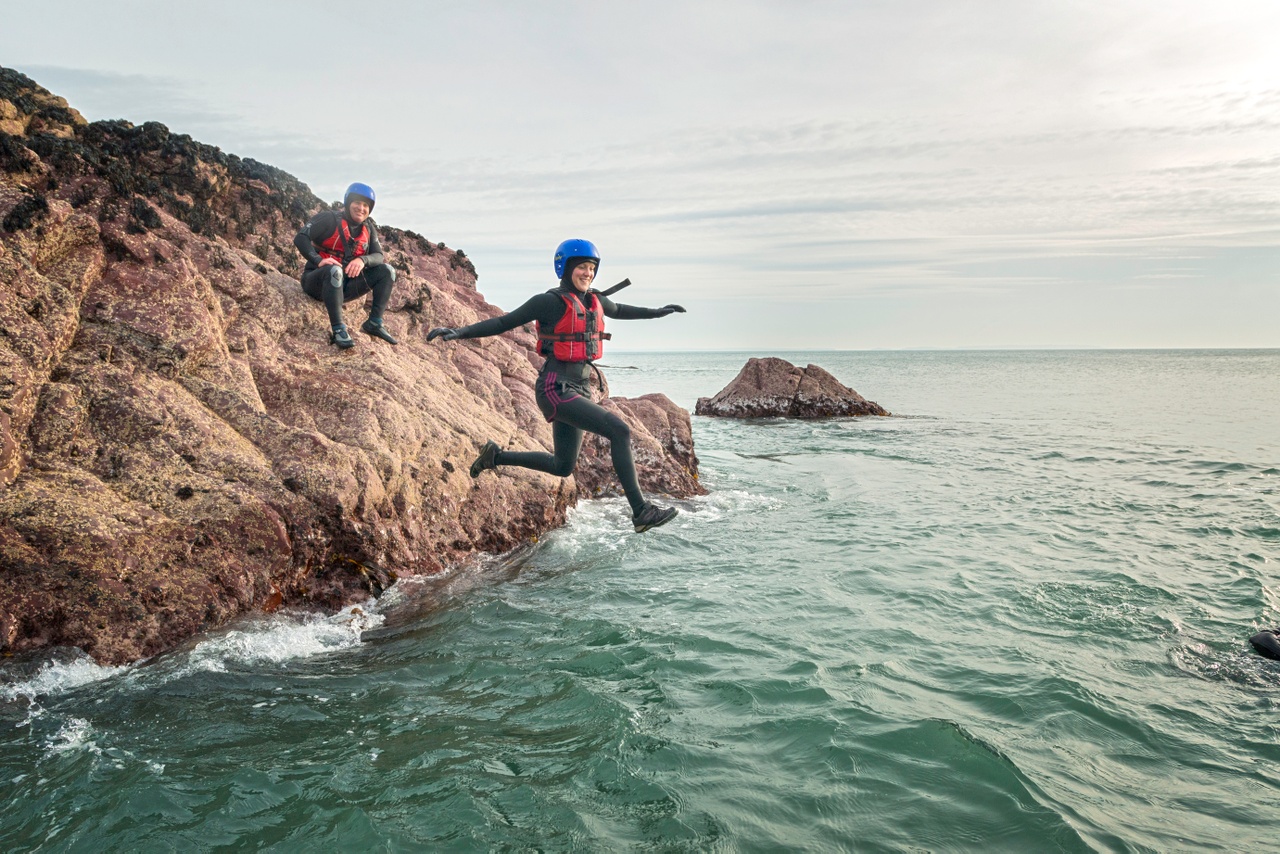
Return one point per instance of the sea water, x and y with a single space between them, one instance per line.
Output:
1012 617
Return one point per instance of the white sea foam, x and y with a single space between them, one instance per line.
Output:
59 677
273 639
284 637
74 734
605 524
600 523
729 501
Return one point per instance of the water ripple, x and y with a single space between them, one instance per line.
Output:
1015 619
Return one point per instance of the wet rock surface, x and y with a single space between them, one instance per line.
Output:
179 442
774 388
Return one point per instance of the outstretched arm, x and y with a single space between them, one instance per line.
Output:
621 311
539 307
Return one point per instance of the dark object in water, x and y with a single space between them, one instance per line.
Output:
1267 643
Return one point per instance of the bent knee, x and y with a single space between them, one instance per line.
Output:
379 273
335 276
619 431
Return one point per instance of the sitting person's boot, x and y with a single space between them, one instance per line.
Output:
339 336
653 516
377 330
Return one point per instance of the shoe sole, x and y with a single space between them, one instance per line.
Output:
640 529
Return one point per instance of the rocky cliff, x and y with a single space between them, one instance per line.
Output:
179 443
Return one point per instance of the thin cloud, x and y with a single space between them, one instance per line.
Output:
949 170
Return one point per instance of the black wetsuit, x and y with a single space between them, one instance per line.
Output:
330 284
564 395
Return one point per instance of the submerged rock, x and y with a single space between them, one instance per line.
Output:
179 442
1267 643
775 388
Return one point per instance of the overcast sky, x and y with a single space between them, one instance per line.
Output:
802 174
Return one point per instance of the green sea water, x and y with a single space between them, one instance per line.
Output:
1013 617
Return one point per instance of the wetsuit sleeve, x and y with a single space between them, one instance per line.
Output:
375 255
621 311
544 308
321 226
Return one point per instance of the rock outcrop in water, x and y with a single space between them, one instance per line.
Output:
179 443
775 388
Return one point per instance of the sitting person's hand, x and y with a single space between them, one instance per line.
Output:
442 332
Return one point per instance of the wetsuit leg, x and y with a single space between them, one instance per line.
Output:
577 415
568 442
381 279
326 284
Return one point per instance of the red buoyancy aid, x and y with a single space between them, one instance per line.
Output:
335 245
579 335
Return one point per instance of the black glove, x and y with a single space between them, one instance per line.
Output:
667 309
443 332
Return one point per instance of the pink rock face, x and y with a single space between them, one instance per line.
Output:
179 441
775 388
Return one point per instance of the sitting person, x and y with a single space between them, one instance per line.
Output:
571 336
345 262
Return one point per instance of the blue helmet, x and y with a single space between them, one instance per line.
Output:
575 249
362 190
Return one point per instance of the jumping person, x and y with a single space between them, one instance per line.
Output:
345 262
571 336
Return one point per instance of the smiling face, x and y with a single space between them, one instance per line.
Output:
583 275
358 209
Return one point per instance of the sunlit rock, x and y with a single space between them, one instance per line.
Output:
179 442
775 388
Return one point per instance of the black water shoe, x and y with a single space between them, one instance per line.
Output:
377 330
653 516
486 460
340 337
